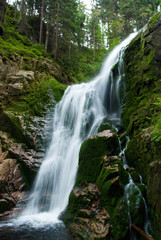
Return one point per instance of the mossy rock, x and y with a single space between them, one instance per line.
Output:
140 152
120 221
91 153
154 195
136 205
105 125
135 176
111 181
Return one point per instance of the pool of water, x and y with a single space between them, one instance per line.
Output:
25 231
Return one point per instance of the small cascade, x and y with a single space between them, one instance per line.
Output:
130 189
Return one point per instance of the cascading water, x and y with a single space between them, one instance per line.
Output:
76 117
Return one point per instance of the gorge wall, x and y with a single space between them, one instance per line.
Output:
142 113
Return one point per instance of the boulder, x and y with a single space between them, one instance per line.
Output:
90 219
91 153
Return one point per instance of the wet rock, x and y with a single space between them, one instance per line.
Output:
29 160
91 220
154 192
130 169
135 176
91 153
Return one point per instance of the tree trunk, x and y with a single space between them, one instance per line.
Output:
141 232
47 36
3 12
16 3
56 32
21 10
41 21
94 42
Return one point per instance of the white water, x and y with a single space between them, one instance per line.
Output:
76 117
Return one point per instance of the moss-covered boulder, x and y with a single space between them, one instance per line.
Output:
97 206
91 153
111 181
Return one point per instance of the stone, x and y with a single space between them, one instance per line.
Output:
11 181
90 218
93 149
26 74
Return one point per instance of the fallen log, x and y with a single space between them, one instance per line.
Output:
141 232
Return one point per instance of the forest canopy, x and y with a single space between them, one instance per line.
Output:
66 29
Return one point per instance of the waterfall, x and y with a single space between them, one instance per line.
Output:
76 117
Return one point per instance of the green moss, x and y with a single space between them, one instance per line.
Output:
89 171
120 221
13 43
111 182
111 191
90 157
154 19
105 125
140 153
10 124
136 206
77 203
37 97
141 115
135 176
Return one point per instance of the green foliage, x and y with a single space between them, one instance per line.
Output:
123 17
10 45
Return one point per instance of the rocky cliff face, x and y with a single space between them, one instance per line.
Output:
26 100
142 113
